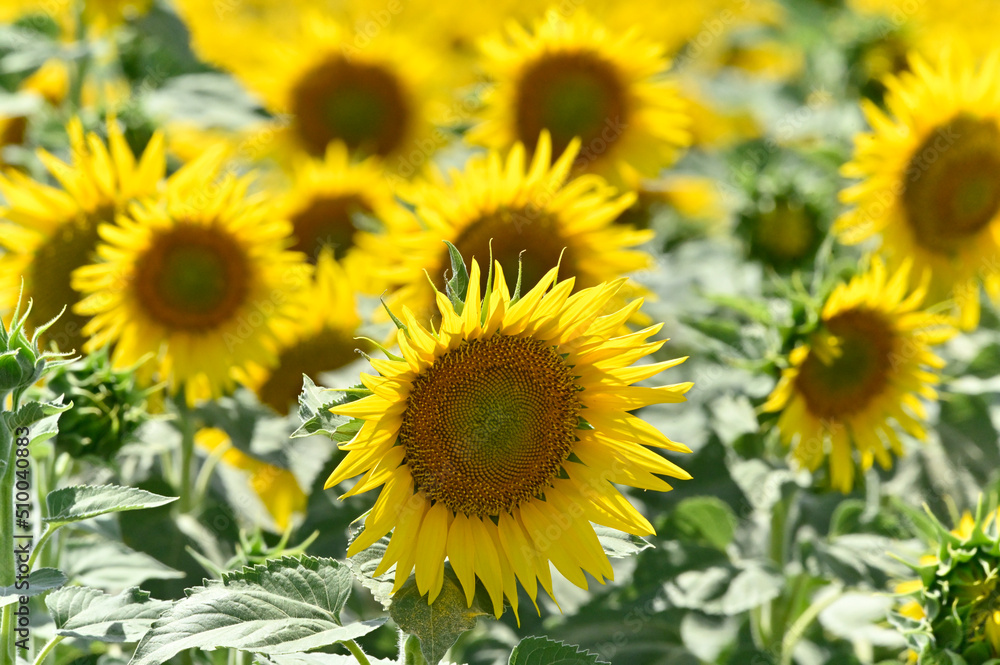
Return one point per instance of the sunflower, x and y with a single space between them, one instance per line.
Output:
377 98
277 488
320 340
48 232
962 578
928 184
98 16
575 78
198 280
329 203
864 367
515 213
495 438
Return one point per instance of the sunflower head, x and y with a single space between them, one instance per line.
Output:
198 280
926 168
528 216
49 232
578 80
506 421
953 608
865 366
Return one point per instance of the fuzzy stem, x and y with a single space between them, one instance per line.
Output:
47 649
356 651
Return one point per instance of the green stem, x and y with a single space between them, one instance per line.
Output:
49 530
47 649
798 629
7 562
356 651
187 457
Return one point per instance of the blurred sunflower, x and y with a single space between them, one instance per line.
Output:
48 232
477 436
277 488
506 208
198 280
320 340
928 177
864 367
329 204
377 100
575 78
97 16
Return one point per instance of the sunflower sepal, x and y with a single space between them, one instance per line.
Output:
456 287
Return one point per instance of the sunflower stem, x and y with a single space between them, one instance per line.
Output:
798 629
8 565
356 651
187 454
47 649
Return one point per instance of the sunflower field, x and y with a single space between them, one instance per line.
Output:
361 332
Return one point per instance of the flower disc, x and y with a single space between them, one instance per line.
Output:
192 278
490 423
953 193
327 222
570 94
859 372
360 104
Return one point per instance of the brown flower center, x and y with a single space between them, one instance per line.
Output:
490 423
192 278
327 222
859 370
570 94
951 191
362 105
513 231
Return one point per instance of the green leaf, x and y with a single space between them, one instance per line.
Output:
543 651
314 410
81 502
458 285
42 420
284 606
439 624
725 590
111 565
363 565
91 614
40 580
317 659
705 519
618 544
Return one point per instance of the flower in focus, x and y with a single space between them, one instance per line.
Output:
928 184
198 281
501 209
954 605
861 374
277 488
508 420
320 340
576 79
48 232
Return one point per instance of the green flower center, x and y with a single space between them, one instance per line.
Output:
513 231
362 105
324 352
570 94
70 246
854 371
951 192
490 423
327 222
192 278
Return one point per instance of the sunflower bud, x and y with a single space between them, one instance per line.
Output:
21 361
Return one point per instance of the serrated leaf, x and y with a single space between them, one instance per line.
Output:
543 651
91 614
439 624
363 565
618 544
81 502
314 410
41 419
284 606
40 580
